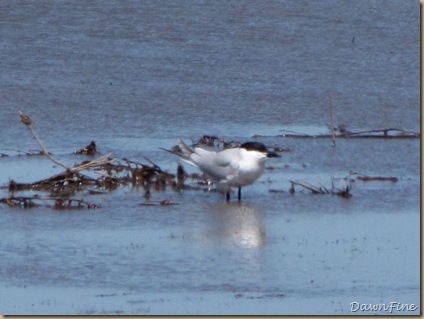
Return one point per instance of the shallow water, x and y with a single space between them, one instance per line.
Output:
136 76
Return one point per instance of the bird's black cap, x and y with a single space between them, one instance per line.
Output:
257 146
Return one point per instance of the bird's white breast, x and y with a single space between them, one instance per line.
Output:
250 167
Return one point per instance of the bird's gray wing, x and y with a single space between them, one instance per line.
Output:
221 166
230 159
227 157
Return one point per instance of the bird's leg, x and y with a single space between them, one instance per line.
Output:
239 193
227 195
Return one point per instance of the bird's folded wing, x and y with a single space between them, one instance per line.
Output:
228 163
214 165
226 157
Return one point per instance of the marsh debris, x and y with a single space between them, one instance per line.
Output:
367 178
341 131
105 174
343 191
96 176
165 202
108 177
14 152
89 150
72 203
22 202
216 142
321 189
56 202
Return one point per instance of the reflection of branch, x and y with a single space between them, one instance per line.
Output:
25 119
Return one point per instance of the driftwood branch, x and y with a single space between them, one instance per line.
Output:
341 132
89 150
367 178
26 120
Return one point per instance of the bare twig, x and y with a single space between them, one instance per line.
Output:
106 159
367 178
151 162
380 133
402 133
26 120
321 189
333 130
314 189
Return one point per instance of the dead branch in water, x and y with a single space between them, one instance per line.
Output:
343 191
331 126
367 178
57 202
112 173
341 132
26 120
164 202
321 189
23 153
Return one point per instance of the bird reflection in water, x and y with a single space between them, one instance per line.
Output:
238 223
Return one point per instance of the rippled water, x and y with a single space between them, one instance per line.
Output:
134 76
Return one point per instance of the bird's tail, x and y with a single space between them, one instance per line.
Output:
183 151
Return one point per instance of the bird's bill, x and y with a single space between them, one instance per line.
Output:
272 154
